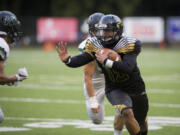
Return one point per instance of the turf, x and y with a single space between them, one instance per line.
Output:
54 92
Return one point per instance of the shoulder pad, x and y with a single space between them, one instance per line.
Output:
126 49
4 50
2 54
90 48
135 48
128 45
92 45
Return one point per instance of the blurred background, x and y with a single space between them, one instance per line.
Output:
155 22
51 100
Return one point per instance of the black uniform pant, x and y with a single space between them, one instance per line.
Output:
138 103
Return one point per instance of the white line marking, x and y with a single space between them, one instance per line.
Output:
5 129
165 105
155 123
37 100
163 91
172 78
49 87
79 88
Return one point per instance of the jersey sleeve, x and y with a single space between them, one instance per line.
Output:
127 65
137 47
130 53
79 60
2 54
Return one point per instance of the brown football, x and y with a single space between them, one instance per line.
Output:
112 55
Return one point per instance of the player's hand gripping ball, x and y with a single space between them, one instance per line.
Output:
112 55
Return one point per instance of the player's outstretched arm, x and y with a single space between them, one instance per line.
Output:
5 78
12 80
61 48
75 61
88 74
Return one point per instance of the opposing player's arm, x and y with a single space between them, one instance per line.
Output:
88 74
5 78
10 80
129 59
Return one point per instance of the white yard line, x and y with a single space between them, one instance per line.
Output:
154 122
12 129
165 105
49 87
171 78
107 118
30 86
36 100
163 91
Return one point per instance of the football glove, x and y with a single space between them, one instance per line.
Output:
22 74
93 102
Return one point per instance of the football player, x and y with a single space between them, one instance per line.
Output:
124 86
9 33
94 84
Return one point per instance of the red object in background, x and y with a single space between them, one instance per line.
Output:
55 29
48 46
143 29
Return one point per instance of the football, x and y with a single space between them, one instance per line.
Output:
112 55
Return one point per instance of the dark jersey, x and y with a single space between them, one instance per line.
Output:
124 75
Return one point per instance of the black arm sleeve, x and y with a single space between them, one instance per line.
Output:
80 60
127 65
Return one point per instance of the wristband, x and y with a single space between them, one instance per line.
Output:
108 63
93 102
68 61
18 77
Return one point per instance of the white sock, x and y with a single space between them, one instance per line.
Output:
117 132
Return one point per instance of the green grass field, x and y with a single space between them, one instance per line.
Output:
51 101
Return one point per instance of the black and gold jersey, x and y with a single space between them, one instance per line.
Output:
125 74
92 45
123 46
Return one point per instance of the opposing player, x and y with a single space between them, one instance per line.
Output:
94 83
9 33
93 78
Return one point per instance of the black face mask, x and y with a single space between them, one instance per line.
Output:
110 45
